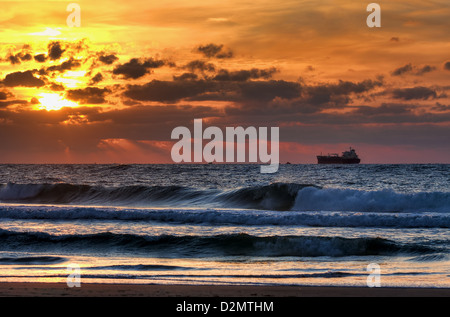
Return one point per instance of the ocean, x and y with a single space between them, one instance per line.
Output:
226 224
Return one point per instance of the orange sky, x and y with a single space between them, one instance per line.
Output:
112 90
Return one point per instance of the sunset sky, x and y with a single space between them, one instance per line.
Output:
113 89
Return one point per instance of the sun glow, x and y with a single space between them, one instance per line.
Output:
72 79
48 32
51 101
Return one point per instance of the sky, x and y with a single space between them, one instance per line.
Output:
113 89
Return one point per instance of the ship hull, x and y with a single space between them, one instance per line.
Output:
337 160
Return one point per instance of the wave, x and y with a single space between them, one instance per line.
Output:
276 197
31 260
240 217
216 245
330 199
144 267
124 276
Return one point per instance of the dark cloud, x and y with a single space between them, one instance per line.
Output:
4 104
169 91
88 95
167 115
244 75
425 69
402 70
186 76
268 90
227 54
284 100
108 59
3 95
23 55
13 59
415 70
172 91
56 87
213 50
67 65
96 79
136 68
440 107
26 57
19 57
199 65
55 51
414 93
40 58
447 65
25 79
339 93
384 109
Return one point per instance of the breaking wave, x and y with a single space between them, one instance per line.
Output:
31 260
241 217
216 245
315 199
276 196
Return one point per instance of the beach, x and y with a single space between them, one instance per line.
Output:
140 290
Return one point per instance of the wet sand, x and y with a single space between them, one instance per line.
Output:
14 289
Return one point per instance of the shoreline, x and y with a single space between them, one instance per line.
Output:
41 289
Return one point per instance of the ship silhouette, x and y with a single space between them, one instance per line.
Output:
348 157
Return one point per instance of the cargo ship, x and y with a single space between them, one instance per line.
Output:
348 157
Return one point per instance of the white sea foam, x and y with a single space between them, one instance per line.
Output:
315 199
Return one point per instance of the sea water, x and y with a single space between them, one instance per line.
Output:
226 224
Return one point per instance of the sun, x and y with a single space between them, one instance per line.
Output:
52 101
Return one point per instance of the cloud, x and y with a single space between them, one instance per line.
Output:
24 79
425 69
415 70
339 93
168 91
88 95
21 56
284 100
4 104
200 65
3 95
186 76
56 87
199 90
148 116
55 51
40 58
96 79
402 70
136 68
67 65
441 107
414 93
244 75
384 109
108 59
269 90
447 65
213 50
